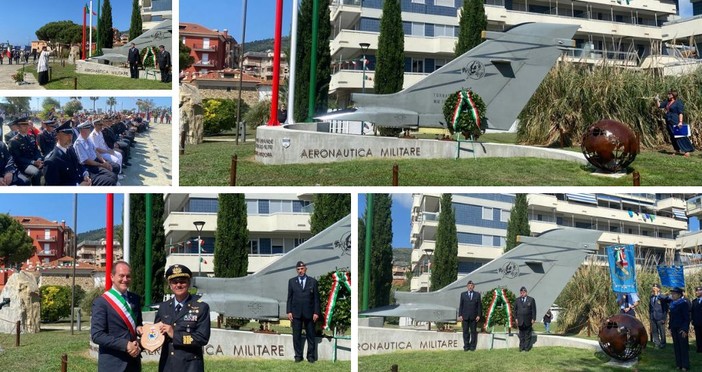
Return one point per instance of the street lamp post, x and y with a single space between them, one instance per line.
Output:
364 49
428 252
198 227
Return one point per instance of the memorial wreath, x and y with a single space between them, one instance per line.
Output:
463 112
497 308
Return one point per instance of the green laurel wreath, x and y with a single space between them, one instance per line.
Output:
499 317
466 123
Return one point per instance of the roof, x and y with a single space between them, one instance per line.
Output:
33 220
198 30
63 263
229 75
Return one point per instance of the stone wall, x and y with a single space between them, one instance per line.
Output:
250 97
87 283
25 304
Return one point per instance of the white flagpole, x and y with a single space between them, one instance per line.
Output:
292 56
90 43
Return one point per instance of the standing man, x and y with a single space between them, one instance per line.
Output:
43 66
164 63
525 310
627 303
185 321
657 313
133 59
679 328
25 151
696 315
469 310
303 311
116 322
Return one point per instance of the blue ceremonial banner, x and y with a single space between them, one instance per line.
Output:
621 268
671 276
681 131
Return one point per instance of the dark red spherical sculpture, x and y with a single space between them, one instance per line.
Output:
622 337
610 145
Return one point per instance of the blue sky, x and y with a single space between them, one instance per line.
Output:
122 102
260 16
21 18
400 211
57 207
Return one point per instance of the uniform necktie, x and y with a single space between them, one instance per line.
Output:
523 300
178 307
470 295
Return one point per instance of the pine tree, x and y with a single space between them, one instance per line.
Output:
135 27
15 245
106 36
390 62
231 256
137 241
304 59
518 223
329 208
444 269
471 26
381 252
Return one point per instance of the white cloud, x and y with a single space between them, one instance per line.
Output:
404 200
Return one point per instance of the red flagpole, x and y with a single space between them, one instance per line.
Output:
273 121
83 43
108 240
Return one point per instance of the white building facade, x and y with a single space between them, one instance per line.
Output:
277 223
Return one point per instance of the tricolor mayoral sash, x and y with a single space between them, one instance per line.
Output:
120 305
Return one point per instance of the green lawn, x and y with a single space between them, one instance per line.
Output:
208 164
42 353
63 78
538 359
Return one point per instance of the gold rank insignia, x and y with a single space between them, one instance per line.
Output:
177 269
187 339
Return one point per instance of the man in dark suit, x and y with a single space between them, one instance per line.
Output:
525 310
696 316
469 310
133 59
164 63
657 313
185 321
680 328
61 166
116 322
8 171
25 151
303 311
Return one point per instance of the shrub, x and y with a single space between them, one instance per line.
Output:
259 114
86 305
220 115
55 302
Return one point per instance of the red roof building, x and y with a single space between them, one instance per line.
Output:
211 49
51 239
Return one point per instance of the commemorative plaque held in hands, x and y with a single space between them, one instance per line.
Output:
151 337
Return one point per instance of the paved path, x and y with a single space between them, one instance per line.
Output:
151 158
6 82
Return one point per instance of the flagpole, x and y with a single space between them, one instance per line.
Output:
90 45
74 241
85 12
293 61
97 29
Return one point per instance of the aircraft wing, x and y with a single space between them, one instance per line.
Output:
389 116
418 311
243 305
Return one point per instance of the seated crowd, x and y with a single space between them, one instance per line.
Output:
79 151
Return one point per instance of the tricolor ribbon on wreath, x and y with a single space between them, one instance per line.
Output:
465 96
338 279
149 52
498 294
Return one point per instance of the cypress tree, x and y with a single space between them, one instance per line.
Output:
473 22
329 208
444 269
137 240
390 62
518 223
381 252
304 59
135 27
231 256
106 36
361 256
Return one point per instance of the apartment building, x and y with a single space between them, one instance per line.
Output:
612 31
260 65
94 252
154 12
652 222
212 50
277 223
51 239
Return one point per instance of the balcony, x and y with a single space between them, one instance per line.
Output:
347 43
353 79
694 206
49 253
45 239
208 64
204 48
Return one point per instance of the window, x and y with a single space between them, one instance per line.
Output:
265 244
47 247
201 205
47 233
278 246
206 43
450 3
504 215
205 58
487 213
487 240
299 241
417 29
253 244
443 30
439 63
417 65
251 207
263 207
417 1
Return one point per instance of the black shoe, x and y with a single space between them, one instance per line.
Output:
298 360
311 360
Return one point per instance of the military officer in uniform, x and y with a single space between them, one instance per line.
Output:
525 310
657 313
8 170
679 328
25 151
47 138
469 310
62 167
303 311
13 131
696 316
185 321
101 172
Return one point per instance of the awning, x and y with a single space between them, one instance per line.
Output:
679 213
582 198
610 198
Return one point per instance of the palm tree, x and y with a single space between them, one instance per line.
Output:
94 99
112 102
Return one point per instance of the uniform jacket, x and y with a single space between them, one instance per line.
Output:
191 332
658 309
525 311
7 164
164 59
63 169
108 330
696 312
470 308
680 315
133 55
303 303
8 136
47 141
24 150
